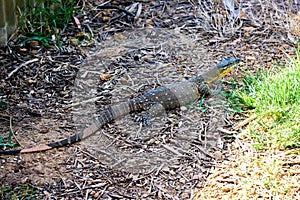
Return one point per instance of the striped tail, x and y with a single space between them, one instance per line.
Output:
106 116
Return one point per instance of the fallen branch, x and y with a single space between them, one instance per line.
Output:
20 66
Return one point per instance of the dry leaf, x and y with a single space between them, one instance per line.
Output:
105 77
119 36
74 41
77 22
149 21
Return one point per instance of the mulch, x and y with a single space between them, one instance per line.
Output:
126 48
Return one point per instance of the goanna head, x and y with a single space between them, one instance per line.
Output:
226 65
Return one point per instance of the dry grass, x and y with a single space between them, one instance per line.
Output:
294 24
229 18
250 174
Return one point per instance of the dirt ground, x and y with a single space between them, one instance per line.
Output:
165 42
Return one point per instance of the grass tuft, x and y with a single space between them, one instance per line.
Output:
275 97
225 18
23 191
45 20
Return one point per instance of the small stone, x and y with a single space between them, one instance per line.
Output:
183 108
250 58
105 18
123 81
149 21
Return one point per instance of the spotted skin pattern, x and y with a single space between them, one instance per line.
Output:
154 102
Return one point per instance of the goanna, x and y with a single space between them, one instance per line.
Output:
153 103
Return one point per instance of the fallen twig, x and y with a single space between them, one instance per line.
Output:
12 131
82 102
167 147
115 7
20 66
245 122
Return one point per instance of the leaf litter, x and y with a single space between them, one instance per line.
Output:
44 88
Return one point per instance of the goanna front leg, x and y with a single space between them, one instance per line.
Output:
204 89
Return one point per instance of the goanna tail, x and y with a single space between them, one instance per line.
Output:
109 114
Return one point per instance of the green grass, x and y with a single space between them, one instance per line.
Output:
23 191
45 21
275 97
7 140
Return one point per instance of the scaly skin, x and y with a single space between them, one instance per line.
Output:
154 102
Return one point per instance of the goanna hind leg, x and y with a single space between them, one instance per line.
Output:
154 109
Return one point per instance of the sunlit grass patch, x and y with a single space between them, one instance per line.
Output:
275 97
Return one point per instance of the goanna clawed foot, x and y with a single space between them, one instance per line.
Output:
144 119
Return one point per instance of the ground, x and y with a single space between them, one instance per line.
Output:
167 42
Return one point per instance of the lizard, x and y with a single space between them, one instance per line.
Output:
152 102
